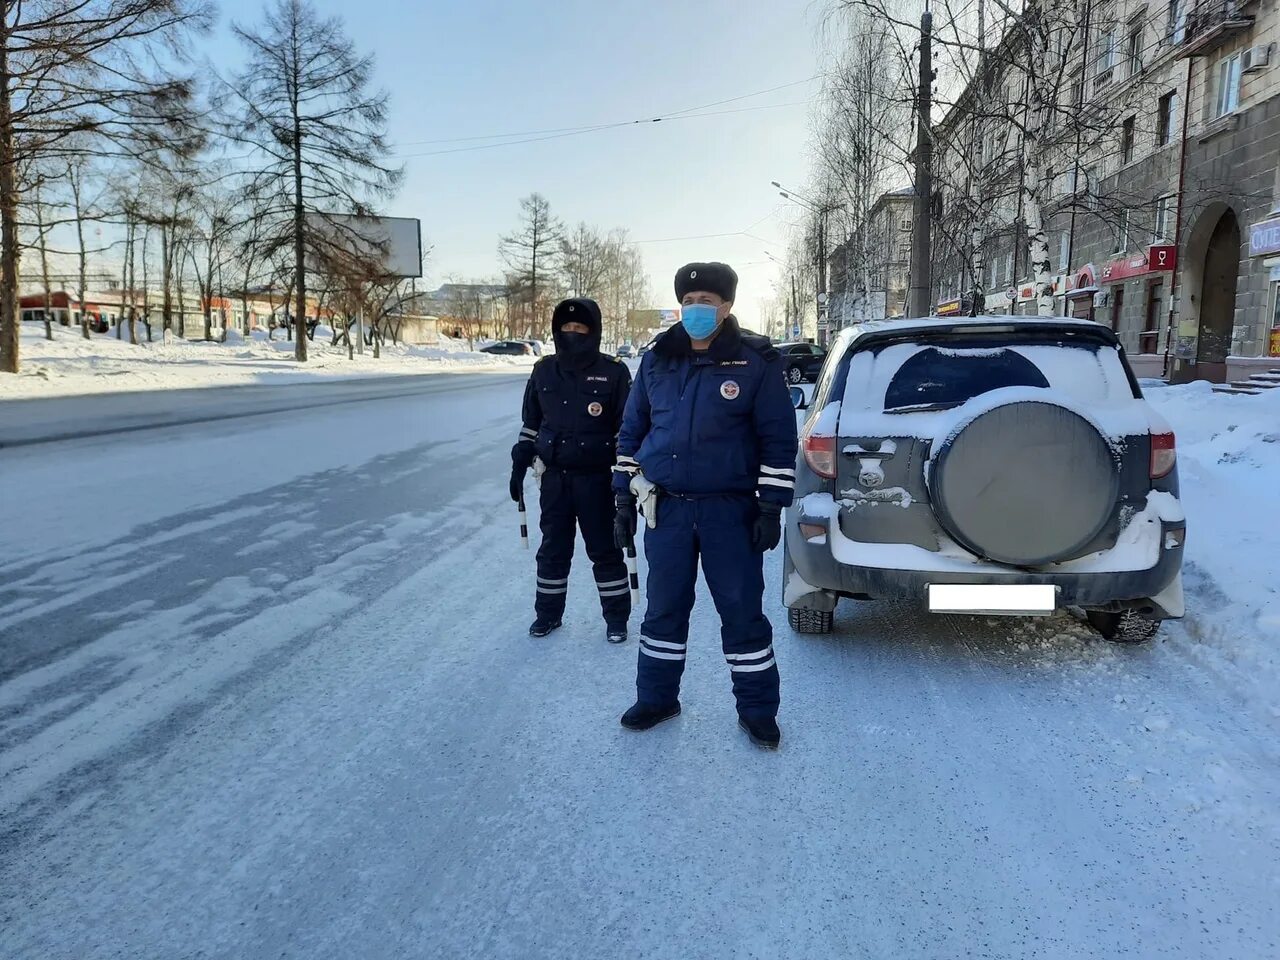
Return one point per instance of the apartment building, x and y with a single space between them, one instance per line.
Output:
869 271
1161 190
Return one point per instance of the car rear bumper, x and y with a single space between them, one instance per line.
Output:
1155 590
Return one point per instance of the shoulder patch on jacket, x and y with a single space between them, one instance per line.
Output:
761 345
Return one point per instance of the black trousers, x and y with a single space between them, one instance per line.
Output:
583 501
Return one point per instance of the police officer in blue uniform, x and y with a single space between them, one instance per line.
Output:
711 427
572 409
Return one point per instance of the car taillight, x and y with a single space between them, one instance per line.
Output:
820 454
1164 454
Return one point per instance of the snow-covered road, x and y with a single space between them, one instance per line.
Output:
265 691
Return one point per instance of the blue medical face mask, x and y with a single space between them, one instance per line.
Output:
699 320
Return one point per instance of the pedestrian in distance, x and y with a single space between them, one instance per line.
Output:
572 409
708 446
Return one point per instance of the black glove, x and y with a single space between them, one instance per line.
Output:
767 530
624 521
522 455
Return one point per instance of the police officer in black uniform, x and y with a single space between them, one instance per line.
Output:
573 407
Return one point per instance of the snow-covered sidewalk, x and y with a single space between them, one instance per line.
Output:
70 365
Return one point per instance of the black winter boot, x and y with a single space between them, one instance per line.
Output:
540 628
763 731
642 716
616 634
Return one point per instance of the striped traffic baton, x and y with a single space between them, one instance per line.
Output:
524 522
633 574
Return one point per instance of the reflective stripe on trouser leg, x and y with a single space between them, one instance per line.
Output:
735 576
594 507
556 551
671 549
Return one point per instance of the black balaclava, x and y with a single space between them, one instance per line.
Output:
576 351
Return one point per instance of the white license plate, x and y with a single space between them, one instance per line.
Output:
1007 599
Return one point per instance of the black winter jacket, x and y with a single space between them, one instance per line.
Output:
572 416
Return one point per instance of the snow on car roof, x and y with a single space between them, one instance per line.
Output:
901 325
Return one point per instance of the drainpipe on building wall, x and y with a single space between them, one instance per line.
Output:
1177 223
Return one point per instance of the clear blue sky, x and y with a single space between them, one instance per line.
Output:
470 68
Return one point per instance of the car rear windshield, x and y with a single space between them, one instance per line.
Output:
920 375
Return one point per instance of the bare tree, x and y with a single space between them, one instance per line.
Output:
72 69
862 138
531 254
303 106
584 259
209 246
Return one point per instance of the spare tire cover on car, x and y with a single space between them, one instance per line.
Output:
1026 484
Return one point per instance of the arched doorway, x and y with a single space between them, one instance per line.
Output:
1218 298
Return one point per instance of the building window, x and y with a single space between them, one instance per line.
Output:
1133 49
1228 83
1105 44
1177 21
1164 220
1122 232
1126 140
1091 188
1064 252
1073 93
1008 268
1166 108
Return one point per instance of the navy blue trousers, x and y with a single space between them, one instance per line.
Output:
717 529
579 501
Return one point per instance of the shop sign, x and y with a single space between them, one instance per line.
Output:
1264 238
1162 256
950 308
1275 342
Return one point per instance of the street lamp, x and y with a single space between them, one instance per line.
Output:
821 211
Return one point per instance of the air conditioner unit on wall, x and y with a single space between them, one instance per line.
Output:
1256 58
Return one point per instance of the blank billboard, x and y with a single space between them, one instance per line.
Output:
393 242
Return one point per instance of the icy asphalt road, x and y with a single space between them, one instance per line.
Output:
265 691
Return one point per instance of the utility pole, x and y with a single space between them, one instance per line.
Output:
824 319
918 296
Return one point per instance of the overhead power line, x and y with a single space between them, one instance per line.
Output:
602 126
597 129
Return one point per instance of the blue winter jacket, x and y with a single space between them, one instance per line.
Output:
718 422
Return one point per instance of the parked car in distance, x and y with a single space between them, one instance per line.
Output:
993 465
510 348
539 348
803 361
626 351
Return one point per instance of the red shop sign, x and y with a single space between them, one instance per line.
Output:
1162 256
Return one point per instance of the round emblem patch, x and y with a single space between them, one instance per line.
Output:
730 389
594 408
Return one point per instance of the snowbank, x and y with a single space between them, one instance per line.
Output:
1229 465
71 365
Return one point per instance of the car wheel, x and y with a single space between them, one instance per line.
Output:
1127 627
810 621
794 375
